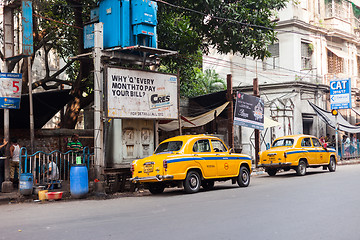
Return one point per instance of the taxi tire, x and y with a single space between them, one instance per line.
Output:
208 184
243 179
272 171
156 188
332 164
301 168
192 182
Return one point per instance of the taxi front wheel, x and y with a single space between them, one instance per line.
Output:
332 164
192 182
244 177
301 168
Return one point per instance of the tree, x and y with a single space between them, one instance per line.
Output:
230 26
58 27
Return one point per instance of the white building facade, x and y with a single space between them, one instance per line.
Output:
318 41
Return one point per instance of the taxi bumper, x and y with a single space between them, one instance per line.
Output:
152 178
274 165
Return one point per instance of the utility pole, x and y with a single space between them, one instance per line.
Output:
8 52
98 108
230 99
257 131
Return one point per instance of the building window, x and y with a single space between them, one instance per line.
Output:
335 63
306 52
338 8
272 62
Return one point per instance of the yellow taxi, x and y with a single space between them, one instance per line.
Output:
191 161
297 152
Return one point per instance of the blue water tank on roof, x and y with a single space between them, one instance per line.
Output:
115 15
144 21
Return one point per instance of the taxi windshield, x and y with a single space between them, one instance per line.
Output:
287 142
169 147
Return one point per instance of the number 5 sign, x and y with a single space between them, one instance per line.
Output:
10 90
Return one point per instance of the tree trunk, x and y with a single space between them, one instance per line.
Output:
73 107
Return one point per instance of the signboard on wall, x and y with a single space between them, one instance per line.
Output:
141 94
340 94
10 90
249 111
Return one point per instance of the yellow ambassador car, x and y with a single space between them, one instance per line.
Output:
297 152
191 161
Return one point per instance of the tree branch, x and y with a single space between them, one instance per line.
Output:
44 83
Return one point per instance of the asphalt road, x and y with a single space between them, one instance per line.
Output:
320 205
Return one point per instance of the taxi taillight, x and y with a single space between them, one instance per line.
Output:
285 155
132 169
165 164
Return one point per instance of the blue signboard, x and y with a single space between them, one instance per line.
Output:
27 25
10 90
340 94
249 111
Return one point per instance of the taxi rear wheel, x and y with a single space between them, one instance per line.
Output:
208 184
272 171
244 177
301 168
192 182
332 164
156 188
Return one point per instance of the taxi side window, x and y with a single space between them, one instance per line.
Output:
306 142
202 146
316 142
218 146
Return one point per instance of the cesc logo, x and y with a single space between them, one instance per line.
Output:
159 100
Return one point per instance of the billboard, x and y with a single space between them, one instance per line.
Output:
10 90
141 94
249 111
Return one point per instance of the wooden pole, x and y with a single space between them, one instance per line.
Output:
257 131
230 111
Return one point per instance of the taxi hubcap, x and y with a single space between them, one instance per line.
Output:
302 168
193 181
244 176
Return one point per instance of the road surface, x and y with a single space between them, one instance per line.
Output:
320 205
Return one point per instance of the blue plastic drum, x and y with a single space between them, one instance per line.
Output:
79 183
26 183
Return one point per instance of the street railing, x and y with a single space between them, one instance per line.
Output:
349 150
38 162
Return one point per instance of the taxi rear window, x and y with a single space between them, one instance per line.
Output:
287 142
169 147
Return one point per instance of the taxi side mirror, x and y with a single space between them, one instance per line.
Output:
267 146
231 151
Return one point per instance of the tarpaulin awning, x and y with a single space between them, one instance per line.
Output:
190 122
270 123
46 105
330 120
338 52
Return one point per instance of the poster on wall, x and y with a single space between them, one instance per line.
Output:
10 90
141 94
249 111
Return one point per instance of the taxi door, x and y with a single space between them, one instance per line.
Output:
226 166
205 157
320 156
310 154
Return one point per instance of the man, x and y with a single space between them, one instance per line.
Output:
14 163
52 173
74 143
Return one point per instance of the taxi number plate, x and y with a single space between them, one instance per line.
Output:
148 168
